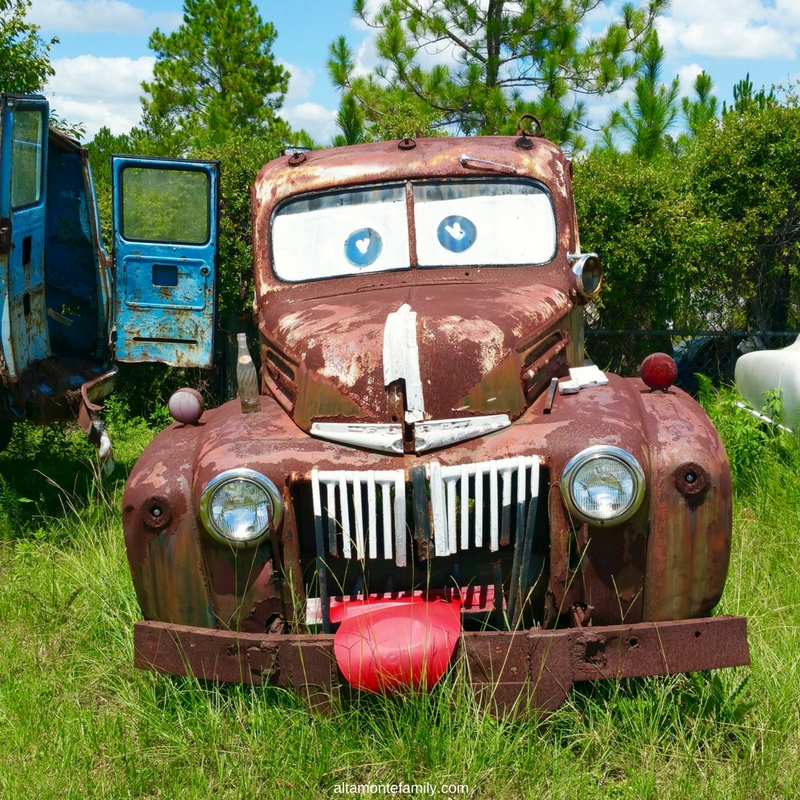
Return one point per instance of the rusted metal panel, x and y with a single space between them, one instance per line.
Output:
235 657
510 672
164 549
515 672
690 528
333 328
338 345
664 648
608 574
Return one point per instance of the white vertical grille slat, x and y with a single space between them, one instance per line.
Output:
330 488
479 505
506 473
521 487
494 510
372 528
316 500
452 522
464 507
386 507
534 477
347 547
505 531
400 538
355 478
441 546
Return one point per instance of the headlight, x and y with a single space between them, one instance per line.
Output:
589 274
240 507
603 485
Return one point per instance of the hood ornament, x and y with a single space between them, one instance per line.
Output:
430 435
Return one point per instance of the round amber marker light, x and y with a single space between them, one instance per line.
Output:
659 371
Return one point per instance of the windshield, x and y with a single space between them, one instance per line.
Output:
482 223
471 222
341 233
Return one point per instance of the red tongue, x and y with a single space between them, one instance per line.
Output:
383 645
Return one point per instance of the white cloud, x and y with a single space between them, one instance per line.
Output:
789 11
317 120
99 16
687 75
743 29
300 83
366 57
106 91
99 91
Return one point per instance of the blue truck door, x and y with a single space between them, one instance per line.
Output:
165 242
24 335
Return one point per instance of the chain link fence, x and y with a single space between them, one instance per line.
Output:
710 353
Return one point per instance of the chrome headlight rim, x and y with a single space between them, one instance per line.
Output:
247 476
592 454
579 266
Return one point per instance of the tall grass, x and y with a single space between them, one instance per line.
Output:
77 721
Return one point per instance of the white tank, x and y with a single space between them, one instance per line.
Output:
758 372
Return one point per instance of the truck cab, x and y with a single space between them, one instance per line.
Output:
428 472
67 310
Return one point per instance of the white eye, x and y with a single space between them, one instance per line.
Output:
603 485
240 507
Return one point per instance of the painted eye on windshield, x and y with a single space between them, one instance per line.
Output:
456 233
363 247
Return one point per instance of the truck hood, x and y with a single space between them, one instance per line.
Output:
413 354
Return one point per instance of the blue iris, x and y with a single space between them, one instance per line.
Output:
363 247
456 233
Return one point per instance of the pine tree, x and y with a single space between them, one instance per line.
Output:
700 111
214 75
646 118
499 59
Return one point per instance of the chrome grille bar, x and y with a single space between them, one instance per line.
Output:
400 538
462 480
345 492
452 491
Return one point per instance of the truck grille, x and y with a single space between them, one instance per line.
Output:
368 514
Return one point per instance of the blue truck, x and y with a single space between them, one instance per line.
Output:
68 310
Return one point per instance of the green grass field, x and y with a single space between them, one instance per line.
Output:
77 721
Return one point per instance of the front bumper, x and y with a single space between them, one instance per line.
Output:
509 671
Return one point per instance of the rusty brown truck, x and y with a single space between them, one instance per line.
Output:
426 472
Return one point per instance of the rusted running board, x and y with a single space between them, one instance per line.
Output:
509 671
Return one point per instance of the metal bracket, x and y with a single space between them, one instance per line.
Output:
89 415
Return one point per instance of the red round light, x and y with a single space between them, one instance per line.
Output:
186 406
659 371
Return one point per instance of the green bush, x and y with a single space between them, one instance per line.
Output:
703 238
241 156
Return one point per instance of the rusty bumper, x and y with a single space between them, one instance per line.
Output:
508 670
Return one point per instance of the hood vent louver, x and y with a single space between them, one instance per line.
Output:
280 377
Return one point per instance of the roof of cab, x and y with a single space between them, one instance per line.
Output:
337 167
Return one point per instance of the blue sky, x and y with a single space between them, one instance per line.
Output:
103 56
